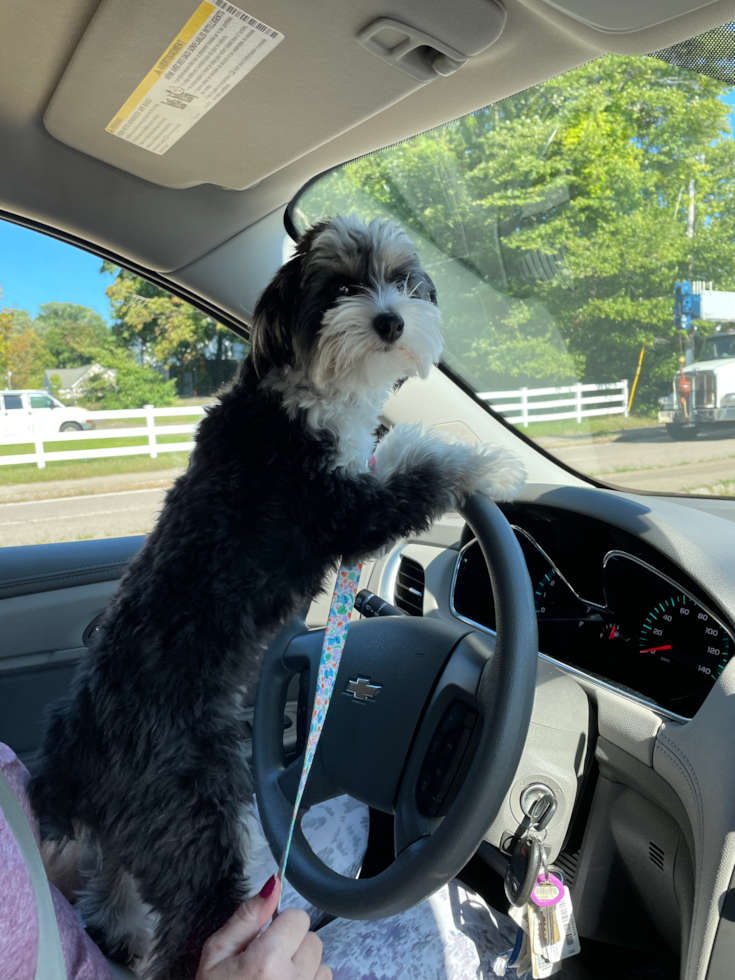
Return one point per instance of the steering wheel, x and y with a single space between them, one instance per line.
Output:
434 736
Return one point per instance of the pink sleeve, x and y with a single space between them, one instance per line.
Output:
18 920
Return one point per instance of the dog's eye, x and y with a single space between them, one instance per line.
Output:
341 289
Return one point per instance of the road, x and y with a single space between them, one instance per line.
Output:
77 518
642 459
647 459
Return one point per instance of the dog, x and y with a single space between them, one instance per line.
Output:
144 760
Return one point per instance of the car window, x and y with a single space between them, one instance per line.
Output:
580 236
41 401
97 344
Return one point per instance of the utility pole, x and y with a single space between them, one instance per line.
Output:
691 214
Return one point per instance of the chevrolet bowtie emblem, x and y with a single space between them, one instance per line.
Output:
362 689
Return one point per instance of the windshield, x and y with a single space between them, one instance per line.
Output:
557 226
716 347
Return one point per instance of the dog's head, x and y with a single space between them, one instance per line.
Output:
353 309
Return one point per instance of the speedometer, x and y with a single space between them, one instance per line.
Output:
679 632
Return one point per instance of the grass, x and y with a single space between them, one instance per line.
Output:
140 423
50 447
18 473
725 488
78 469
598 425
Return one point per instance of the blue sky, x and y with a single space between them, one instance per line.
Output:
36 269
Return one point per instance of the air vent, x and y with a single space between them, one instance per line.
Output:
410 585
656 855
568 864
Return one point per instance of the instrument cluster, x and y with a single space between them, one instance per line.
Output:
642 632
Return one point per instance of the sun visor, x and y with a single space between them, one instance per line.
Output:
183 93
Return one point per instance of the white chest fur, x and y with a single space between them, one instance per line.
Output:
351 418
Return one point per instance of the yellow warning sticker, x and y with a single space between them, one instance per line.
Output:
213 51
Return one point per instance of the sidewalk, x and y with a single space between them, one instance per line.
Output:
113 483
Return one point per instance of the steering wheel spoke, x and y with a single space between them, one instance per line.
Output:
445 743
318 787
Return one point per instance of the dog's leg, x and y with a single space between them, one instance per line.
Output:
111 908
420 476
188 918
191 863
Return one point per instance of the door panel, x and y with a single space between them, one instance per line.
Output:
48 622
24 697
49 594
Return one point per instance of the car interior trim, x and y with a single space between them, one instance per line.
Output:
32 660
65 564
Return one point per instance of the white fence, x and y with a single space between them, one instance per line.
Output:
152 448
581 401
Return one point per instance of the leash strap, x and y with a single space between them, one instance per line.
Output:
340 612
338 621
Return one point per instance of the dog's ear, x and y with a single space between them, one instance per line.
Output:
432 290
272 335
271 343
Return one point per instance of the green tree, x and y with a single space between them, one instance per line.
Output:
26 356
565 208
73 334
131 386
6 332
64 315
165 330
22 320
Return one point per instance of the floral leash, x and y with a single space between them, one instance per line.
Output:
340 613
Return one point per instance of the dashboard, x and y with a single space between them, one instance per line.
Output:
608 606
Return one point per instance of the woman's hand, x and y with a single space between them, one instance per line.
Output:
285 951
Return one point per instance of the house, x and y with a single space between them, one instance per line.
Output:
72 380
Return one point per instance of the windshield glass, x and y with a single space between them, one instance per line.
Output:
716 347
562 227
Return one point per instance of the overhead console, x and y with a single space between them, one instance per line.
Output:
181 93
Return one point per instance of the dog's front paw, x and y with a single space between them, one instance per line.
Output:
404 440
495 472
461 468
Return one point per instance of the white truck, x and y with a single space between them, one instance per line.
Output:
704 391
29 412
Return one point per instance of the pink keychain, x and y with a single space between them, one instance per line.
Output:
547 891
546 895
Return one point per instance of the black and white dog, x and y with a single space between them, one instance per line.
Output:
144 759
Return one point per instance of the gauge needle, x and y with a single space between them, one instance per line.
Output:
612 633
654 649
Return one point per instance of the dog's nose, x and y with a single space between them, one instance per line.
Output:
389 326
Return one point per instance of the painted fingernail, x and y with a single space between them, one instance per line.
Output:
267 890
